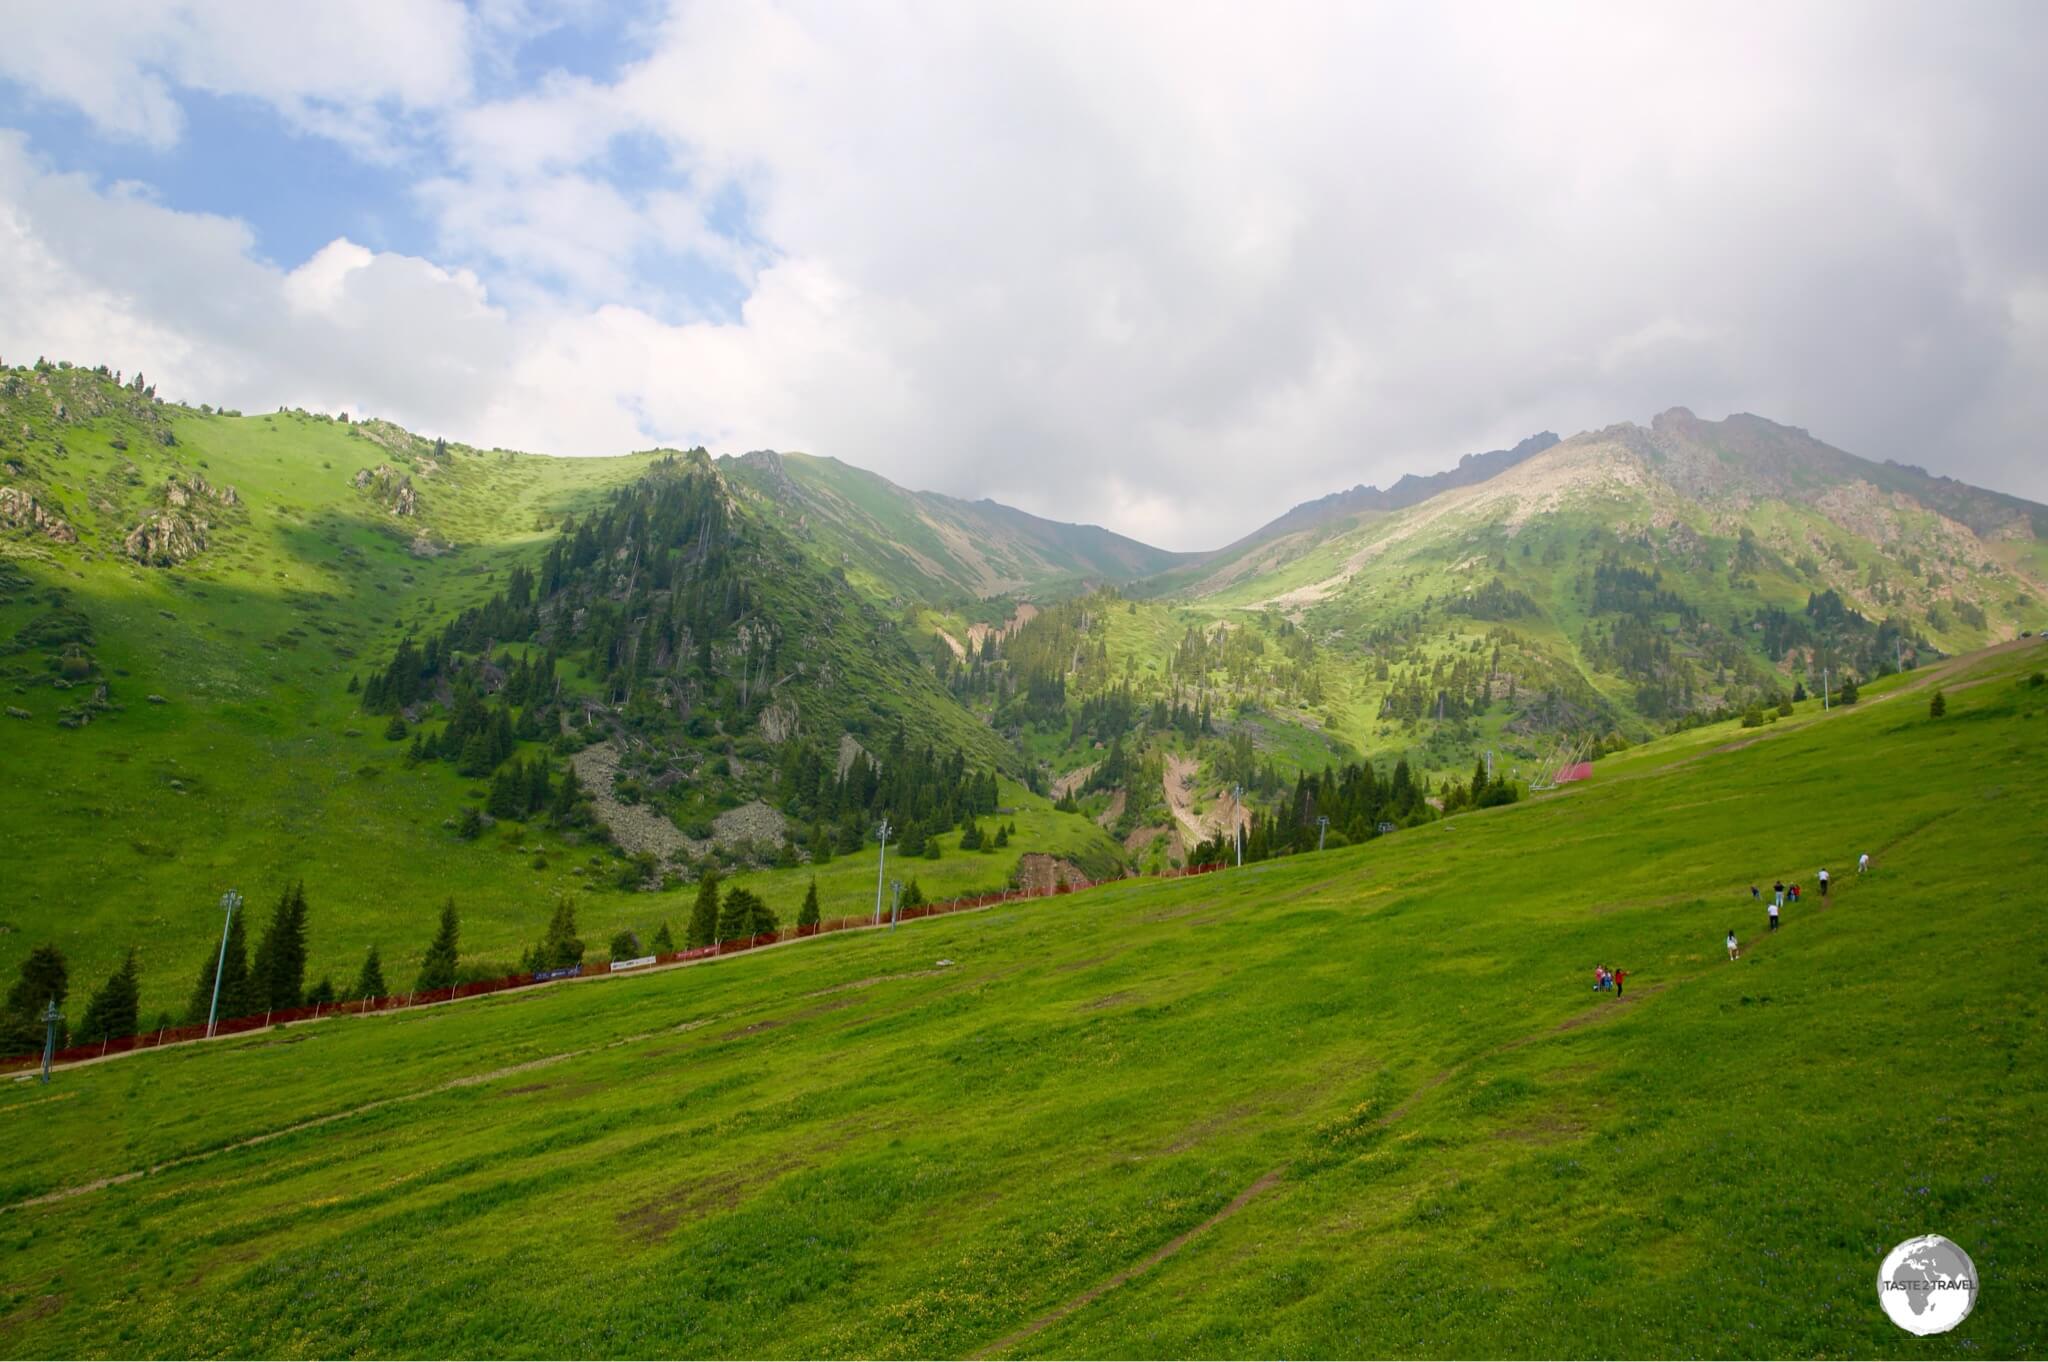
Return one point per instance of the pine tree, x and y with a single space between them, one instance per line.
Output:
1003 835
45 978
807 916
625 946
1937 706
703 927
508 795
437 969
736 915
663 942
321 993
568 795
370 982
115 1011
237 991
279 978
561 947
395 730
471 825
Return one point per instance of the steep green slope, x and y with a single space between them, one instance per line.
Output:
184 725
1358 1103
924 547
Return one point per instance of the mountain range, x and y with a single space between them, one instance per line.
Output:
252 648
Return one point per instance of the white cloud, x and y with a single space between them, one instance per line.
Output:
326 66
1163 267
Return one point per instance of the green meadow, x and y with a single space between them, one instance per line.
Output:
1357 1103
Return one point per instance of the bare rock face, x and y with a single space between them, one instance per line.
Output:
779 721
166 539
756 822
1039 872
21 510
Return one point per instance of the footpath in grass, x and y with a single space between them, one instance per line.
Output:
923 1142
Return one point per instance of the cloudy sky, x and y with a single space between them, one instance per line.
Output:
1167 267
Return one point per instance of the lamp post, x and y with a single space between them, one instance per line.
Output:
1322 830
1237 820
229 901
880 861
51 1017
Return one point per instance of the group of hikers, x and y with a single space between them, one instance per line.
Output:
1607 980
1780 893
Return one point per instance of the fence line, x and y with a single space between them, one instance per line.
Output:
176 1035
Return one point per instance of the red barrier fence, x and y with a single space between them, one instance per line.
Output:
174 1035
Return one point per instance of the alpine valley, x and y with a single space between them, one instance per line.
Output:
303 649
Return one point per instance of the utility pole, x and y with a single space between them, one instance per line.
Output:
1898 653
51 1016
1322 830
1824 706
895 903
879 862
1237 819
1489 765
230 901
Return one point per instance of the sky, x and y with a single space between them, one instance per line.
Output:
1167 267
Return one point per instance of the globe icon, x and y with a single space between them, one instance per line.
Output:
1927 1285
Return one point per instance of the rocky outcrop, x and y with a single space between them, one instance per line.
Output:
389 486
183 493
20 509
166 539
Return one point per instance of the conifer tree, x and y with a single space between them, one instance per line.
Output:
115 1010
437 969
703 927
395 730
279 978
237 992
807 916
370 982
736 915
45 978
663 942
321 993
1937 706
561 947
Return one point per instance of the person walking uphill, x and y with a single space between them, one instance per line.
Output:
1774 917
1823 884
1733 949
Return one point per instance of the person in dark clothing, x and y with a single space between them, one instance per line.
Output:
1619 975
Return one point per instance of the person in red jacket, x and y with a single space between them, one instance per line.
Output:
1619 975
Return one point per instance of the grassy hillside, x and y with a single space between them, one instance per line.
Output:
1354 1103
178 730
913 547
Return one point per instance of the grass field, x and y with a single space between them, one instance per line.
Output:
1371 1088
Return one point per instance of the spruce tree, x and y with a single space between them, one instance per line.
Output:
703 927
237 991
437 969
395 730
736 915
45 978
115 1010
370 982
561 947
807 916
563 808
279 977
663 942
1937 706
321 993
625 946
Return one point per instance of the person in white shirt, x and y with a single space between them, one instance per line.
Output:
1733 949
1774 917
1823 884
1863 863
